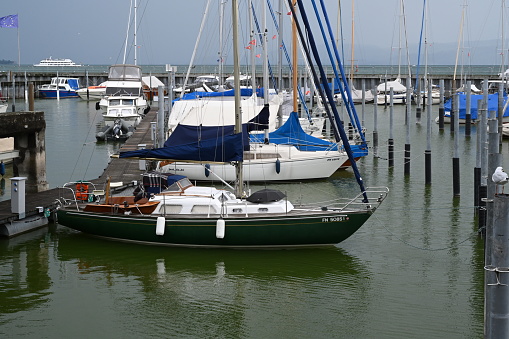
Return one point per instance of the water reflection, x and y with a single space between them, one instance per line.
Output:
225 293
24 275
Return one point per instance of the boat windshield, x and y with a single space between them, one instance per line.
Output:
118 91
125 72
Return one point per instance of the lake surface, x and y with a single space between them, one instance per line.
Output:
414 270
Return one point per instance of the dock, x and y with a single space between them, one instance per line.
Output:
40 206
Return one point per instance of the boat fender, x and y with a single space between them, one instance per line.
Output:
278 166
220 228
2 168
207 170
160 225
97 107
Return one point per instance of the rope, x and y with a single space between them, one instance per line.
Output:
428 249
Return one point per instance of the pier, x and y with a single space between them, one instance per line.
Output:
40 204
14 79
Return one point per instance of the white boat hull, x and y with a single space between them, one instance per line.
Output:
397 99
293 165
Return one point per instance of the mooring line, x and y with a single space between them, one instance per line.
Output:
427 249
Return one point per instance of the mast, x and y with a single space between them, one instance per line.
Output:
127 33
295 59
265 68
221 19
252 38
135 32
239 189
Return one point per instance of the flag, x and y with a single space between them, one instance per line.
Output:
248 47
9 21
275 36
258 55
252 42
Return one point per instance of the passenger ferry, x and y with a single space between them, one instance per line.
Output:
56 62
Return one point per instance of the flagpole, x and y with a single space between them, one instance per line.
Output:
19 53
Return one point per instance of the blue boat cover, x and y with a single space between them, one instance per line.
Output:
226 148
492 104
205 143
244 92
291 133
73 83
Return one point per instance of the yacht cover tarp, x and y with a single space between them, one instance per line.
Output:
474 98
291 133
227 148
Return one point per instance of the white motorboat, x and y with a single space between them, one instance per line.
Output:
124 98
60 87
92 93
398 92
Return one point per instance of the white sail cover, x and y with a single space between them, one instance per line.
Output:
396 85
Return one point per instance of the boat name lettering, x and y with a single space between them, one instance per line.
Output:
333 159
334 219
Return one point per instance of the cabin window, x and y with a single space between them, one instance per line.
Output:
203 209
263 210
128 102
237 210
173 188
114 102
170 209
184 182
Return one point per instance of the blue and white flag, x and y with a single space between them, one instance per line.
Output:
9 21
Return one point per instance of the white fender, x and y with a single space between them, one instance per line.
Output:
160 225
220 228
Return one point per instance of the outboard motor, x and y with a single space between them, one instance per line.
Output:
117 129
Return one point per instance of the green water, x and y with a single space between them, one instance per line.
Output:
414 270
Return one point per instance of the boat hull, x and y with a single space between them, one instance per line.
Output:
322 228
52 94
264 169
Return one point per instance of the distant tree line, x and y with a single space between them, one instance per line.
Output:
6 62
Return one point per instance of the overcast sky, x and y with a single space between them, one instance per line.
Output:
94 31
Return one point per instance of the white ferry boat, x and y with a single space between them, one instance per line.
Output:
56 62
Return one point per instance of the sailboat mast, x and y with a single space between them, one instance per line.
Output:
135 32
353 44
220 59
127 33
239 189
252 38
295 59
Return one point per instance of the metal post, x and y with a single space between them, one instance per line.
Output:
441 109
427 153
391 139
468 113
160 116
456 159
375 125
407 144
497 273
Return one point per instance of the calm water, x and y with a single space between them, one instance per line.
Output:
414 270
